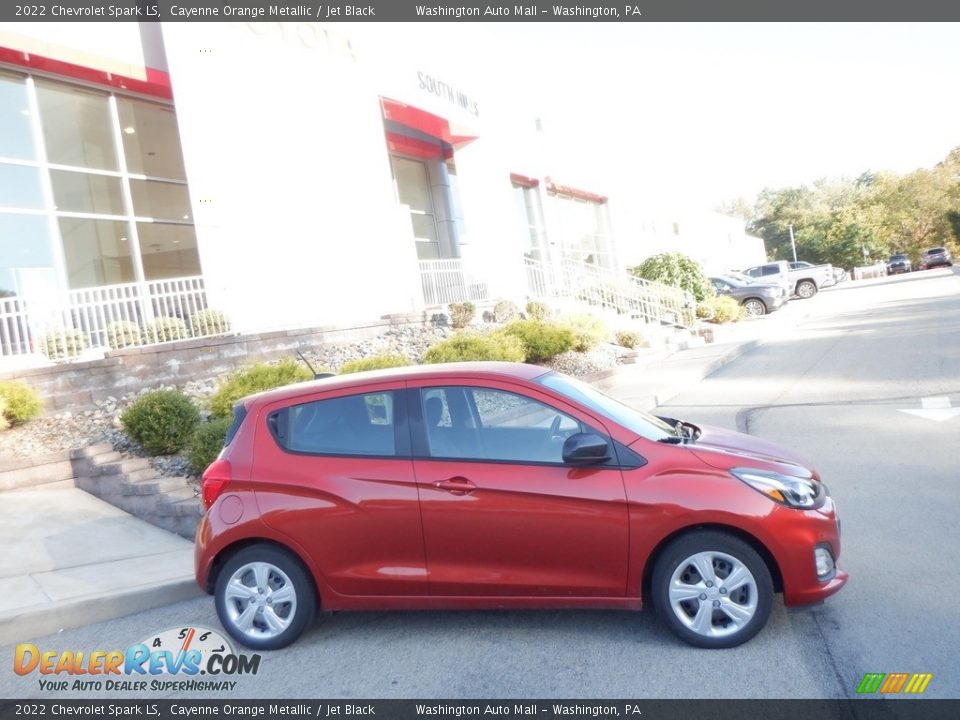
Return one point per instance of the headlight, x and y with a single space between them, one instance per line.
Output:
793 492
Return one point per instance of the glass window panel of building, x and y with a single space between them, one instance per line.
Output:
97 252
26 255
87 193
160 200
168 250
77 126
16 134
151 141
20 187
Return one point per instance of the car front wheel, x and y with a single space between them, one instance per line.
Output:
806 289
265 599
754 307
712 590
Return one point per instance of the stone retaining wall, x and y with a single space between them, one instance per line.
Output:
78 385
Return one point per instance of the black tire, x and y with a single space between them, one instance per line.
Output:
285 568
806 289
760 595
755 307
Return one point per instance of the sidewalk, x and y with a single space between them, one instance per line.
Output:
70 559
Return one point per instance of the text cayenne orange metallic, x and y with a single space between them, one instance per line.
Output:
500 485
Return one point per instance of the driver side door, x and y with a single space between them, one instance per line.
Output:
502 514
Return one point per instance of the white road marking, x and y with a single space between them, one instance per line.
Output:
935 408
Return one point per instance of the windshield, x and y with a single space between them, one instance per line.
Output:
899 257
643 424
735 281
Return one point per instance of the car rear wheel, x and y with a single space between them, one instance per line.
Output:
712 590
265 598
806 289
754 307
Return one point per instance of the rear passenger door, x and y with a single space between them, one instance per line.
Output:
502 514
334 473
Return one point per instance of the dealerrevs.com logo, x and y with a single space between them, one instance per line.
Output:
179 659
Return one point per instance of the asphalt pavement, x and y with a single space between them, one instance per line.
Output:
834 388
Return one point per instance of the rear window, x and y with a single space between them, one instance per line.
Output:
351 425
239 413
934 251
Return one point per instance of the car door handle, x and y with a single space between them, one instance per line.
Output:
456 485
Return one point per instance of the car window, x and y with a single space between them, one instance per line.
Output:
754 272
351 425
771 270
484 424
934 251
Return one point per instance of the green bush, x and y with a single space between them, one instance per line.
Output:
538 310
63 344
541 340
255 379
464 347
21 402
720 309
209 322
677 270
161 421
505 311
375 362
206 443
4 424
630 339
123 333
165 329
588 330
462 313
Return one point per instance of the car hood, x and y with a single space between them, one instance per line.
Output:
726 449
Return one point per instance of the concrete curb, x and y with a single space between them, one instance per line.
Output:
735 352
53 617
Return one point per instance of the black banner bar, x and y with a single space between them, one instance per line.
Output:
865 709
536 11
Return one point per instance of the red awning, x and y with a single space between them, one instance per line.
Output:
425 123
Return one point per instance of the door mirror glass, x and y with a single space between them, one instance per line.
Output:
586 449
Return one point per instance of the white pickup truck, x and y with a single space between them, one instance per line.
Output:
804 281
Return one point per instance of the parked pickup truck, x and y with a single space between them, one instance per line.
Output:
804 281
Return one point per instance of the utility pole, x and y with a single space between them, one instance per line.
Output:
793 244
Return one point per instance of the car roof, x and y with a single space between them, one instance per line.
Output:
473 370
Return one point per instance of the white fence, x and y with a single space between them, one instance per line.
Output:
108 317
608 290
446 281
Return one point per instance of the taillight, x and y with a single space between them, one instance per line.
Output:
215 479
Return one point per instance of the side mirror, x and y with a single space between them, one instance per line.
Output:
586 449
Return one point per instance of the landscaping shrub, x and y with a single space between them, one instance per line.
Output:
589 331
161 421
462 313
375 362
505 311
4 424
209 322
537 310
464 347
541 340
255 379
21 402
64 344
720 309
677 270
630 339
123 333
206 443
165 329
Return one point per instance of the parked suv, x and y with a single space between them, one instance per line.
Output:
935 257
501 485
898 263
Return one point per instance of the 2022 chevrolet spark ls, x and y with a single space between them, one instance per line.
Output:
500 485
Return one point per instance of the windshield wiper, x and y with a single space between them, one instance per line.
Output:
673 440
